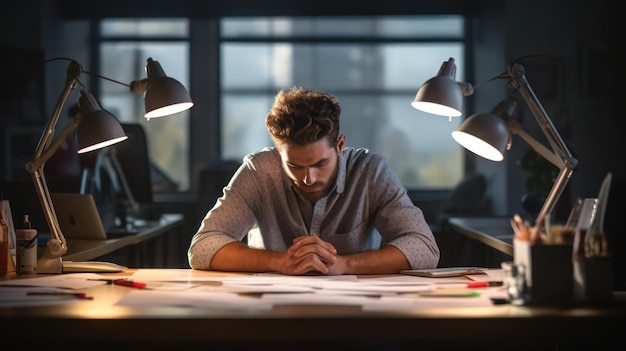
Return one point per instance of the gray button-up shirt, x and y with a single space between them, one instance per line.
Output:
366 208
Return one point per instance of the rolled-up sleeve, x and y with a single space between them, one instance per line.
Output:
228 221
399 221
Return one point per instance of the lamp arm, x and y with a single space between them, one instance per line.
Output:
541 149
560 155
73 72
555 193
566 170
520 83
50 261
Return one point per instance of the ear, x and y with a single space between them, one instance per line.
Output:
341 143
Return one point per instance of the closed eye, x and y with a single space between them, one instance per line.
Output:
318 164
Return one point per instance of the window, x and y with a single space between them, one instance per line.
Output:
125 45
373 65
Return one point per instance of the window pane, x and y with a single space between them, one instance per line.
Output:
170 158
336 66
419 146
244 128
408 66
129 27
254 66
425 26
450 26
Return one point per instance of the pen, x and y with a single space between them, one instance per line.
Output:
129 283
483 284
81 296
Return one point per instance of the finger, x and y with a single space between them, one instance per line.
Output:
307 264
326 255
311 240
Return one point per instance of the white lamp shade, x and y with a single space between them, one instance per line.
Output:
441 95
486 134
164 95
97 128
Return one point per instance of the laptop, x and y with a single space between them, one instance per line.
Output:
79 218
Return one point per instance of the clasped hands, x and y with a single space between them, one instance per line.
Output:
311 254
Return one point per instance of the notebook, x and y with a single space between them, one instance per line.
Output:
79 218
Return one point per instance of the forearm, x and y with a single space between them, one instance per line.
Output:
386 260
238 257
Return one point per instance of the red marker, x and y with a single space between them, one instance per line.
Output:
482 284
129 283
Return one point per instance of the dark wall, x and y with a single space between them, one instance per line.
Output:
578 49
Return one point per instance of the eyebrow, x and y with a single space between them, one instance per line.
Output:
316 164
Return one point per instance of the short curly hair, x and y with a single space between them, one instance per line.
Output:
301 117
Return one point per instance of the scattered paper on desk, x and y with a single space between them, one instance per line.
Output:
65 281
185 275
372 286
215 300
253 289
413 279
323 299
18 296
193 275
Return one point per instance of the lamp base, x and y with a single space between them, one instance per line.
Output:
51 262
92 267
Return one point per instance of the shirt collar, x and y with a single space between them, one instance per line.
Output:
341 172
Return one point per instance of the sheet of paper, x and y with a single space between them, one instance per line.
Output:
162 275
495 274
22 296
65 281
215 300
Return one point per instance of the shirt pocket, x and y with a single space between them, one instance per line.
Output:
355 240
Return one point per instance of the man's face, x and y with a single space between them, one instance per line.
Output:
311 167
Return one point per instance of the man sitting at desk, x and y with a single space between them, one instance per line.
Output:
313 205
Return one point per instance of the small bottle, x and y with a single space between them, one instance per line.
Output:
26 244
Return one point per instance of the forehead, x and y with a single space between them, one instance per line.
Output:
305 155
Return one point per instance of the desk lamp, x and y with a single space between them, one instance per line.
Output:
489 134
164 96
95 129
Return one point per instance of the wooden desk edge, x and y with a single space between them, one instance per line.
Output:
167 222
460 224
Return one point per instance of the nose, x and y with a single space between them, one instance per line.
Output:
309 178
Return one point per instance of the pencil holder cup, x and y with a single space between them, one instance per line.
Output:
593 279
548 272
